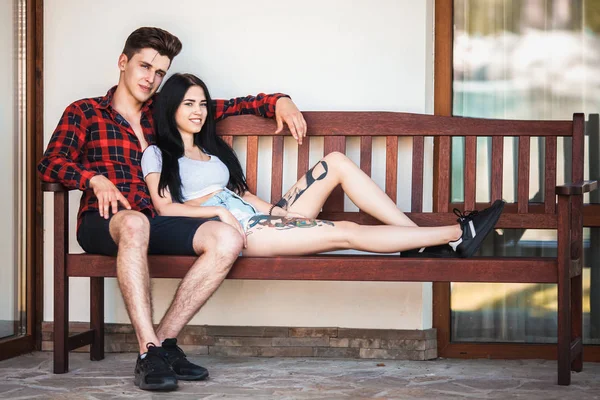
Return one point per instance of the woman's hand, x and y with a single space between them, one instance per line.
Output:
227 217
294 215
280 212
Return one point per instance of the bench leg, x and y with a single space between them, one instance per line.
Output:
61 322
564 291
97 318
577 319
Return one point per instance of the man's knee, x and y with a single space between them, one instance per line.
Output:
130 226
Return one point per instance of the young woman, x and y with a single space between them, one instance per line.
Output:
192 172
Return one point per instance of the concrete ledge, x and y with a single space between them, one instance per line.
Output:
256 341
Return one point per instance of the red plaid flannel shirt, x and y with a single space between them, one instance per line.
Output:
92 138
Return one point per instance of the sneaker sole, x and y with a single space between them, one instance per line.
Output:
166 386
480 237
192 377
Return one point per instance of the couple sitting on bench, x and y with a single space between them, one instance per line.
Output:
158 180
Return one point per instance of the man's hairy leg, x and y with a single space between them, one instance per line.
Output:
131 231
219 245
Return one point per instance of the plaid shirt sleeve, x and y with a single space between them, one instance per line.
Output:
59 163
261 104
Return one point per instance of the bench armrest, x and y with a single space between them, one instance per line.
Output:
577 188
54 187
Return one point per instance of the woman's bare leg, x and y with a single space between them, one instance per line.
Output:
273 236
308 195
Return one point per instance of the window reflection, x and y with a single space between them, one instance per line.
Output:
529 59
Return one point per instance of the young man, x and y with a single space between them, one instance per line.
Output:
97 148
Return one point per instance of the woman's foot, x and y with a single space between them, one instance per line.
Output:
475 225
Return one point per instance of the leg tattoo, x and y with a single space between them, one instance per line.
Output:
294 194
279 223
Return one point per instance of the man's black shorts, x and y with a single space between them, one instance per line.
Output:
168 235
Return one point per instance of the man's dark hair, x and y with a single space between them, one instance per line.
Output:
153 38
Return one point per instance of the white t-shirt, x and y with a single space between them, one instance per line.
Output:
198 178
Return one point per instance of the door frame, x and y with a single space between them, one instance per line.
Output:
32 340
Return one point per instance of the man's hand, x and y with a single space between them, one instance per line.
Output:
227 217
108 195
286 111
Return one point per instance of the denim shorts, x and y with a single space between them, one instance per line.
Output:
241 209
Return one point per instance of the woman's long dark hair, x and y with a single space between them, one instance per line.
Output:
168 138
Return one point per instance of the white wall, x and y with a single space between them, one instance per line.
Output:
328 55
8 167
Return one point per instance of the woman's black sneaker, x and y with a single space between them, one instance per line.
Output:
152 372
476 225
184 370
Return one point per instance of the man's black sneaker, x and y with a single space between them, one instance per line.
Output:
476 225
152 372
184 370
441 251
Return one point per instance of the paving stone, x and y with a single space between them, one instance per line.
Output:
403 344
310 342
361 343
131 338
196 340
191 349
430 354
398 334
313 332
119 328
242 341
392 354
121 347
197 330
340 352
247 331
233 351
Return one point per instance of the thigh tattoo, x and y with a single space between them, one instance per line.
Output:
294 194
281 224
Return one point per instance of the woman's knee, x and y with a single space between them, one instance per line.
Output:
219 239
335 157
130 226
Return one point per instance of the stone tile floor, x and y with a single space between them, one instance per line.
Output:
30 376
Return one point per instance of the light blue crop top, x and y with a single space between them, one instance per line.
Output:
198 178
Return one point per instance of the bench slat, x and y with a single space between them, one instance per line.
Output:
523 174
335 202
335 123
441 178
366 151
550 175
417 174
343 268
391 167
497 167
252 162
507 220
303 158
228 139
470 171
277 169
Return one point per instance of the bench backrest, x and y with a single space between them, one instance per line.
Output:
335 127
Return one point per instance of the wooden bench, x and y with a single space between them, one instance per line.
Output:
564 215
